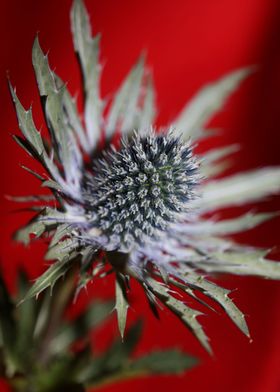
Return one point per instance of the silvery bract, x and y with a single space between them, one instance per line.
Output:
139 208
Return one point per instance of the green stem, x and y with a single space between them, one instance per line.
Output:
62 294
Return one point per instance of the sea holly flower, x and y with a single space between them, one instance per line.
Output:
142 207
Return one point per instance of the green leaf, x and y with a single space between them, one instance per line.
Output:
26 320
34 227
62 230
220 153
30 198
47 219
44 76
74 121
218 294
116 358
121 304
33 144
226 226
8 327
239 189
210 167
87 49
124 110
64 142
207 102
80 327
63 250
186 314
148 112
48 278
170 361
242 263
26 124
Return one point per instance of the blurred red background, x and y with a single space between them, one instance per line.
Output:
188 43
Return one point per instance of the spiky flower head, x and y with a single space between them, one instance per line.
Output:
134 207
132 195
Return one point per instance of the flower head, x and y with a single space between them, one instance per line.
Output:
136 207
131 196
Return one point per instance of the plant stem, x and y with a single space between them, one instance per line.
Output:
61 296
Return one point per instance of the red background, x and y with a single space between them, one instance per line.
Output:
188 42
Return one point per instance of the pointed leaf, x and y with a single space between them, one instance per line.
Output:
210 167
26 124
124 110
243 263
148 112
239 189
219 295
72 115
184 313
207 102
26 320
64 142
48 278
87 49
62 250
224 227
121 305
35 227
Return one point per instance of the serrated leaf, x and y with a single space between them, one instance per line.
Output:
73 117
33 144
62 231
63 139
35 227
239 189
121 304
225 226
124 111
26 124
67 148
242 263
87 49
62 250
219 294
186 314
44 76
48 278
207 102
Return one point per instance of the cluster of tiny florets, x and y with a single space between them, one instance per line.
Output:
133 194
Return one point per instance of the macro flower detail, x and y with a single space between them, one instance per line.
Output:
144 209
133 194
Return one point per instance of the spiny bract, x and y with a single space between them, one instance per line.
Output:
134 208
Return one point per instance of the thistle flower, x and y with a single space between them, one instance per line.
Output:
140 208
132 195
